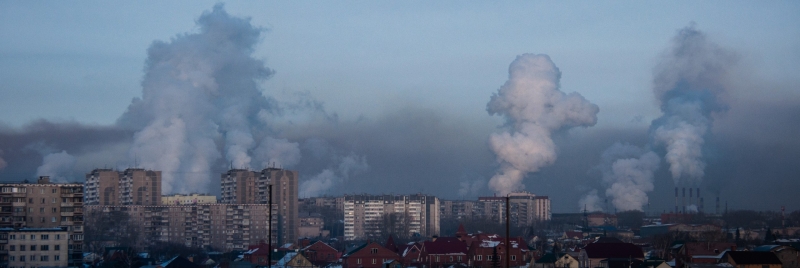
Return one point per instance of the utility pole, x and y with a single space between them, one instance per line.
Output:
269 234
508 245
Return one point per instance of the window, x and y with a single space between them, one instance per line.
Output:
12 248
42 200
11 258
44 258
54 190
21 247
56 257
12 237
57 247
33 237
54 200
54 210
373 261
358 261
30 200
488 257
53 219
374 250
513 257
58 237
44 237
41 210
22 258
44 247
33 247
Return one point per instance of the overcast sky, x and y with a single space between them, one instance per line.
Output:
402 87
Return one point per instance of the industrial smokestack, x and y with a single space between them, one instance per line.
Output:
683 201
676 200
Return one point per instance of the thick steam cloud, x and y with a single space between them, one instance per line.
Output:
628 172
348 166
688 83
534 107
57 165
200 90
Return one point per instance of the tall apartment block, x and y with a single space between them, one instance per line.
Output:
525 208
367 216
28 208
223 226
133 186
240 186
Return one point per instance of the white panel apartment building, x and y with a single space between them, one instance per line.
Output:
370 216
526 208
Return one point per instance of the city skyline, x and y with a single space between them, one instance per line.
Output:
393 98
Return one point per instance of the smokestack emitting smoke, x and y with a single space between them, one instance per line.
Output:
687 84
534 107
200 89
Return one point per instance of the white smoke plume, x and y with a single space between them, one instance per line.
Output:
468 188
199 93
590 202
58 166
628 171
3 163
534 107
348 166
689 82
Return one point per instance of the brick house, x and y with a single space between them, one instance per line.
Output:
369 255
481 252
607 250
443 252
321 254
751 259
701 252
410 254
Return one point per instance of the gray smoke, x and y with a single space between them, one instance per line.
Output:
58 166
590 202
534 107
628 172
321 183
200 90
3 163
688 83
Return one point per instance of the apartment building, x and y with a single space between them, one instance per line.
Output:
133 186
222 226
181 199
333 203
369 216
525 208
35 247
240 186
24 206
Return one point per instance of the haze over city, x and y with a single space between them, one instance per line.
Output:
581 102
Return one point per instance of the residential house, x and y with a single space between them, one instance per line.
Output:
482 252
701 253
294 260
751 259
369 255
444 251
605 251
321 254
788 255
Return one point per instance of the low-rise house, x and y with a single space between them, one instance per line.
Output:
789 256
701 253
369 255
482 252
608 250
321 254
444 251
410 254
294 260
558 260
751 259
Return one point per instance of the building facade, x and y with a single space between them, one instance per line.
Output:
133 186
180 199
371 216
221 226
35 247
241 186
525 208
44 205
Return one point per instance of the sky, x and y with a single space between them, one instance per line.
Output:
391 97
